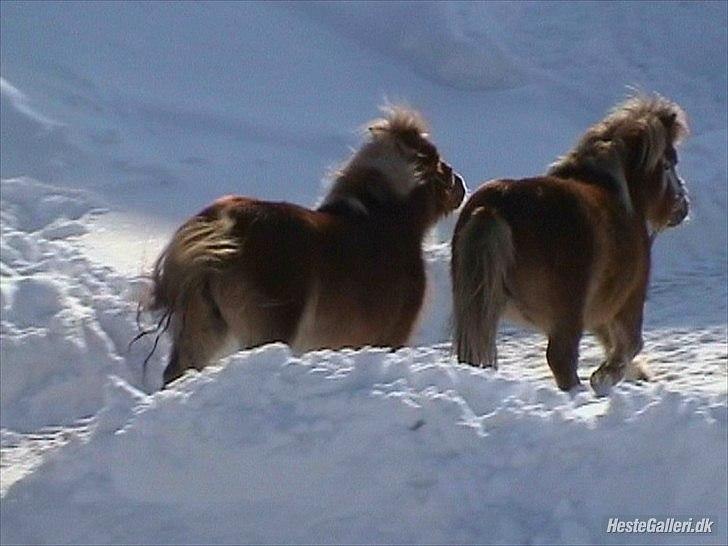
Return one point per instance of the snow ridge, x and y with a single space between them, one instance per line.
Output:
373 447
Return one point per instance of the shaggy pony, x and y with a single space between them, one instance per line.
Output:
570 251
244 272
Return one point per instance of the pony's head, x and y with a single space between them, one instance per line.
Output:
397 159
634 148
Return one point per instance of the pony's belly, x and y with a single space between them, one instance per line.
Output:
328 323
514 315
518 314
331 334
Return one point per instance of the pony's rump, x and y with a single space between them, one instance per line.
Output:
202 245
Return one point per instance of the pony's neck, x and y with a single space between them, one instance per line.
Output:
607 175
367 194
378 182
361 191
377 177
586 173
383 156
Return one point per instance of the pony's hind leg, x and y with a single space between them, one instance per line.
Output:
173 369
199 335
562 355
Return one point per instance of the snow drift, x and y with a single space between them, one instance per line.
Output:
66 321
373 447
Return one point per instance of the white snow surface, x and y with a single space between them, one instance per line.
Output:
121 119
371 446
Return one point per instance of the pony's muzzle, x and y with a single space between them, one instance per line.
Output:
679 212
457 192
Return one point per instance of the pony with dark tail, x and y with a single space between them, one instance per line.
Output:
245 272
570 251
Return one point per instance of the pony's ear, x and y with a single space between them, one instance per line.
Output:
676 124
675 129
670 121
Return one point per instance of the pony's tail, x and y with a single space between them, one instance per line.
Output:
482 253
202 246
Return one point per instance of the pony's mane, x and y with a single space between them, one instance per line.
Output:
400 121
380 170
648 123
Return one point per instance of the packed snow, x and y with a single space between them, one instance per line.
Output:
372 447
121 119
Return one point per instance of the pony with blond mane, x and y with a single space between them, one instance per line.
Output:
570 251
245 272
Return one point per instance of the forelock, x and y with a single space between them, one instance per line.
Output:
399 120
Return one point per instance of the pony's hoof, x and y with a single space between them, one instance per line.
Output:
576 390
603 380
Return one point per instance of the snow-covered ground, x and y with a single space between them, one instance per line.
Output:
121 119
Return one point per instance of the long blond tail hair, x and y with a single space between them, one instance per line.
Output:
482 254
201 246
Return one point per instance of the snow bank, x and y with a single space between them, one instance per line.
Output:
353 446
66 322
374 447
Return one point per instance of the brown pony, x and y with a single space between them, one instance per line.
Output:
244 272
570 251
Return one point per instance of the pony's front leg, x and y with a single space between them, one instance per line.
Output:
602 334
611 370
562 355
623 342
615 369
